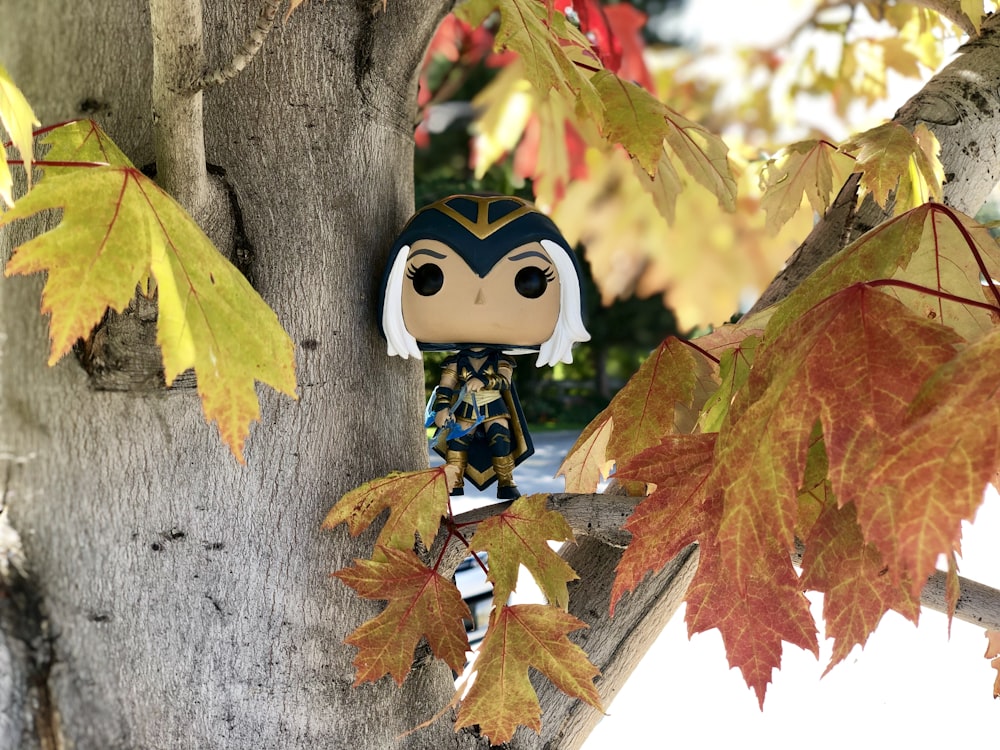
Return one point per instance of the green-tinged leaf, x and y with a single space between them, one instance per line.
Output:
417 500
677 513
523 636
118 227
17 119
931 246
652 401
422 604
81 141
734 370
635 118
520 536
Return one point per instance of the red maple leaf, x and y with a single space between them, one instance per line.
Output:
854 362
852 577
674 515
422 604
754 619
932 476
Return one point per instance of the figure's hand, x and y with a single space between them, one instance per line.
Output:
440 418
474 384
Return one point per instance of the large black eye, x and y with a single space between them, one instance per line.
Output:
427 280
530 282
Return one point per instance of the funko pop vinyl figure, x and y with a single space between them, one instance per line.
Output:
486 278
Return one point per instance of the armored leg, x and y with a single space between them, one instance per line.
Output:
458 459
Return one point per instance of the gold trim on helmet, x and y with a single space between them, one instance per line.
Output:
481 227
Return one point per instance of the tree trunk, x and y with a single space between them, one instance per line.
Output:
159 595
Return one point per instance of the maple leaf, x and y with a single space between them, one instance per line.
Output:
634 118
588 462
653 398
854 362
520 536
80 142
417 501
734 371
886 153
755 619
421 604
931 246
813 169
118 228
523 636
549 45
933 474
17 118
851 575
674 515
704 155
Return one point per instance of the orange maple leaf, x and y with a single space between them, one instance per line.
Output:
854 362
422 604
933 474
523 636
753 620
851 575
417 501
674 515
661 392
520 536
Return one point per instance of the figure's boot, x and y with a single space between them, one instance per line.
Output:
503 467
458 459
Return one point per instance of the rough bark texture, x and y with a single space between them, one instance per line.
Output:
167 597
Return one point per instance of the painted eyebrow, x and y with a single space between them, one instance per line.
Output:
530 254
415 253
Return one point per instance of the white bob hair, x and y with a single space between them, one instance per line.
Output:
569 328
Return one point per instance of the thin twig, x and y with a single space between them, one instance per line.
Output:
246 53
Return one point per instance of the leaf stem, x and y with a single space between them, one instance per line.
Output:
43 163
972 248
701 351
934 293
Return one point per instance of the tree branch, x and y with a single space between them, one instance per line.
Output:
178 127
247 52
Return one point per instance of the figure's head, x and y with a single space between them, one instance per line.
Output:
475 270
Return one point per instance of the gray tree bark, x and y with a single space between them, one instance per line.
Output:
157 594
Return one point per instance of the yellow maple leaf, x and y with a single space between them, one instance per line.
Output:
889 153
118 228
812 169
523 636
519 536
17 119
417 499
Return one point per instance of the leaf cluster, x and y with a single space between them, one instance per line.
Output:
497 695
